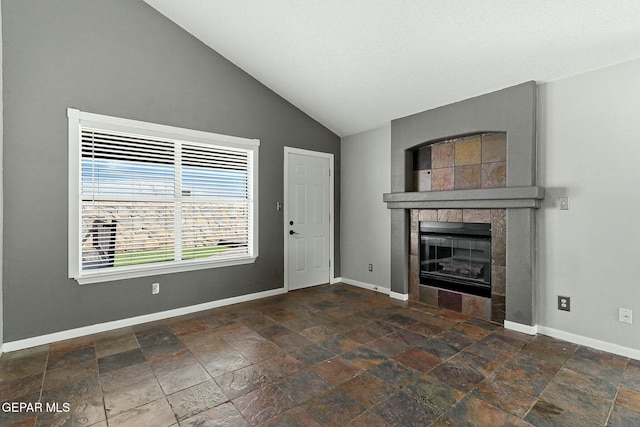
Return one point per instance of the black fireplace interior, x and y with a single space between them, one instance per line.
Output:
456 256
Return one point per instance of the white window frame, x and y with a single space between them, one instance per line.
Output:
76 120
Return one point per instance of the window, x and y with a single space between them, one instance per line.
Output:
147 199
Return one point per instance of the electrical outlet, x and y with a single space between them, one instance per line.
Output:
155 288
370 267
625 315
564 303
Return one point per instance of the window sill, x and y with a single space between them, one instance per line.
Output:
109 275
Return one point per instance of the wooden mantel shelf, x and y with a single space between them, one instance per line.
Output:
497 198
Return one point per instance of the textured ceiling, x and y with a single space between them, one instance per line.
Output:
354 65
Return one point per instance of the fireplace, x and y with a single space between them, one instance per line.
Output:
481 169
456 256
457 260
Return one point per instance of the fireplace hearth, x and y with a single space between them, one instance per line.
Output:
456 256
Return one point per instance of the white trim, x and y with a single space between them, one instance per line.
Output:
74 215
574 338
590 342
134 126
335 280
255 210
131 321
519 327
399 296
330 156
285 210
157 269
365 285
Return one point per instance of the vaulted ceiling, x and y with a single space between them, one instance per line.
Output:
354 65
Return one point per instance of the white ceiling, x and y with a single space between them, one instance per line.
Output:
353 65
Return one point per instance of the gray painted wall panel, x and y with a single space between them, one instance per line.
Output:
521 289
400 251
123 58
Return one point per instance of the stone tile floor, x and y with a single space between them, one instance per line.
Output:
331 355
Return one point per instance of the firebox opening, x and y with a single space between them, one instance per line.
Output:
456 256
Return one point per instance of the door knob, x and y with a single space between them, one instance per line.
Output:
292 232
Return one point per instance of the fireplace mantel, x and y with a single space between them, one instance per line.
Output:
491 198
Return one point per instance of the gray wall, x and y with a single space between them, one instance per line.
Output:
365 219
589 149
123 58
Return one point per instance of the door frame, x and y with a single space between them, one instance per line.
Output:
285 223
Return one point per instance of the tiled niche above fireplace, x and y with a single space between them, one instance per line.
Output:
477 161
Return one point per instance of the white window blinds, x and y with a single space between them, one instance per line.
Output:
148 201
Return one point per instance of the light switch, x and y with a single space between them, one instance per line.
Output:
564 203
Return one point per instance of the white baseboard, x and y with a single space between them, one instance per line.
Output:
519 327
364 285
399 296
590 342
335 280
371 287
131 321
574 338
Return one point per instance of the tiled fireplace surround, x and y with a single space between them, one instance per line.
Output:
493 308
508 203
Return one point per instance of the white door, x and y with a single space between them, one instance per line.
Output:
307 218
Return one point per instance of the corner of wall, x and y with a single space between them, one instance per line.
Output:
365 221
